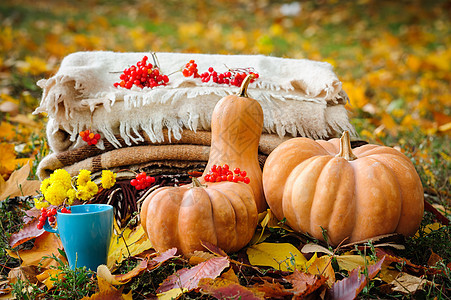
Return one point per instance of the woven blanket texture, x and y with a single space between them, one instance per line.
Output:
299 97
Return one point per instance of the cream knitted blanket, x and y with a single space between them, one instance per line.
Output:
299 98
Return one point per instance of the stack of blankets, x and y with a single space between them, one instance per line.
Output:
166 129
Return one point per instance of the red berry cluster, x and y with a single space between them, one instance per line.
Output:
144 74
142 181
218 174
233 76
50 215
90 137
191 69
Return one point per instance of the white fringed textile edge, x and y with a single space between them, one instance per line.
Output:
299 97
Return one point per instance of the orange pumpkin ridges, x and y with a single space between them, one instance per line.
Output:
223 214
352 194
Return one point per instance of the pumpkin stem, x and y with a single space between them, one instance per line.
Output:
244 85
196 182
345 147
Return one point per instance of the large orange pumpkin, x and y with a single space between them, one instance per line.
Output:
351 194
224 213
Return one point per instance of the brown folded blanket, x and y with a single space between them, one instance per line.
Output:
190 153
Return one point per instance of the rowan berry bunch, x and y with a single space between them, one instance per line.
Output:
49 214
90 137
142 181
191 69
231 76
143 74
223 173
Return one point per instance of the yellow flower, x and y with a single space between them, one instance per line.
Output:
87 191
92 188
63 177
45 184
55 193
40 203
71 195
83 177
108 179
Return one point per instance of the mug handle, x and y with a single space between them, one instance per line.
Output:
49 228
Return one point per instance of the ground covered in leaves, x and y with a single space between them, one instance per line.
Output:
394 60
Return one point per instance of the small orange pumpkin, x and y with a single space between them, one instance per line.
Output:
352 194
223 214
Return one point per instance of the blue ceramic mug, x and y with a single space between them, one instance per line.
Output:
85 234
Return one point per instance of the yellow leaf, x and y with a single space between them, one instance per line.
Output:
136 242
172 294
322 266
429 228
350 262
7 159
49 274
280 256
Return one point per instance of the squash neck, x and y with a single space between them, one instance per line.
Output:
345 147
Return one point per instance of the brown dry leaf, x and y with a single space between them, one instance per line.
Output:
304 283
28 232
434 258
46 244
221 288
273 290
26 273
189 278
200 256
314 248
408 284
18 185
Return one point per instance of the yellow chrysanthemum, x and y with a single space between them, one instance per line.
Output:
55 193
71 195
83 194
39 203
83 177
44 185
108 179
87 191
63 177
92 188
